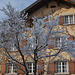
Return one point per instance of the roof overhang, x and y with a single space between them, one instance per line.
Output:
30 9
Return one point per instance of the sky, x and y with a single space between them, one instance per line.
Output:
17 4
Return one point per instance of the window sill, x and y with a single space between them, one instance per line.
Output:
56 48
69 24
12 50
32 73
62 73
11 74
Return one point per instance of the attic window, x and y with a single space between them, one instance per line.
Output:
53 6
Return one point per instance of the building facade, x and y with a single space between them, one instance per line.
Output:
40 9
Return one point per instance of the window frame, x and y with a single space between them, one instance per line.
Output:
55 41
68 19
12 48
32 65
12 68
61 68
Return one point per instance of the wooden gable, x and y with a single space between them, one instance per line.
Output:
40 3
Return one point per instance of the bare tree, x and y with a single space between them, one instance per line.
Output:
37 39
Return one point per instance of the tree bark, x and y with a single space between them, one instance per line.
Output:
27 73
24 63
35 71
35 59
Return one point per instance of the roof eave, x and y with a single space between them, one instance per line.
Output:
33 4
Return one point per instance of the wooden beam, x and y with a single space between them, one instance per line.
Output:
58 3
46 3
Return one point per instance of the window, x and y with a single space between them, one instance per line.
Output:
12 48
69 19
61 67
53 6
10 68
57 42
33 44
30 67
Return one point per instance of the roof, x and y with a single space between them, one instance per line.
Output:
40 3
72 0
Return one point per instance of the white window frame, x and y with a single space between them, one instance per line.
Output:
31 67
68 19
12 68
60 42
61 66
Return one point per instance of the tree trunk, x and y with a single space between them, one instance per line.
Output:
35 71
26 68
35 59
27 73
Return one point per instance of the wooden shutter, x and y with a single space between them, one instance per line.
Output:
3 68
72 67
74 18
70 38
20 71
51 68
23 42
61 20
40 67
51 46
7 67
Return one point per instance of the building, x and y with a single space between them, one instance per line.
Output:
65 8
